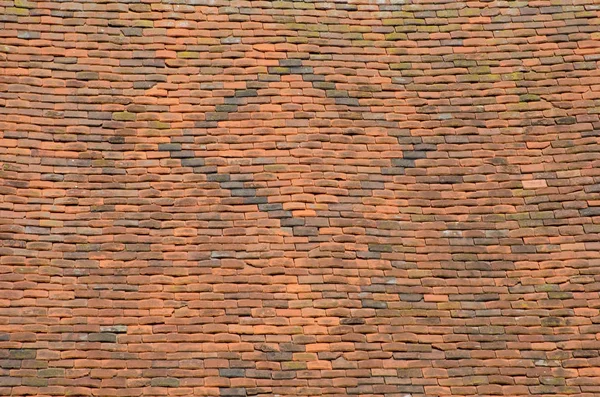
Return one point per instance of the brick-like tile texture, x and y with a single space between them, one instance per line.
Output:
300 198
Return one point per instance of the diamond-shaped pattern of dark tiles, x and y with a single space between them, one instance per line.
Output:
314 198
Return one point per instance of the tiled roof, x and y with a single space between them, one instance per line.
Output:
299 198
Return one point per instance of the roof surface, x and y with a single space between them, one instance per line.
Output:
287 198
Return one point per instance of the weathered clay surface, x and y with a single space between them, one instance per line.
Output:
286 198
